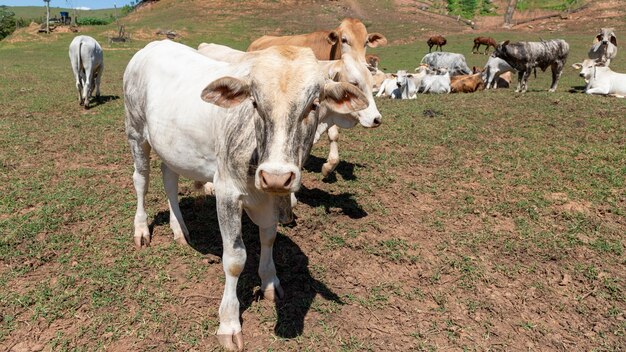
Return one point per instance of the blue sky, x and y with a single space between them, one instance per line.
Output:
92 4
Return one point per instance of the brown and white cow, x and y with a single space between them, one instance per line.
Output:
350 36
246 126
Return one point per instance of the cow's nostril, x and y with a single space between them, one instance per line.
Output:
377 121
289 181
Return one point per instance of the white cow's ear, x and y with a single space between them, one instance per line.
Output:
333 37
226 92
376 39
577 65
613 40
344 98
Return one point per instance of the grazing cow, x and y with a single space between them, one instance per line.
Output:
400 86
486 41
604 47
87 63
466 83
495 67
349 70
247 127
602 80
454 63
372 60
436 83
436 40
525 56
350 36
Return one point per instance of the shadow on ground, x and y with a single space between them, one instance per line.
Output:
292 264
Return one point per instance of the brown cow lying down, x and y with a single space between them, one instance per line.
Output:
350 36
466 83
502 81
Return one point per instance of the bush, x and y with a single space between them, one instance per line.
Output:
7 22
93 21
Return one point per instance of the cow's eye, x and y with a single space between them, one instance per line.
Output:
344 40
315 105
254 104
356 84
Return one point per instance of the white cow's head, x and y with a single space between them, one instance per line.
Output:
606 36
284 93
401 78
354 71
588 68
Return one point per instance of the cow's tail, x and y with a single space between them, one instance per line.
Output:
79 61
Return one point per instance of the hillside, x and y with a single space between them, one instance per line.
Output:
39 12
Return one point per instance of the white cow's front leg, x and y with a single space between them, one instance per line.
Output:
177 224
333 154
598 90
229 208
270 285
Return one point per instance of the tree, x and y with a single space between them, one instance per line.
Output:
508 15
7 22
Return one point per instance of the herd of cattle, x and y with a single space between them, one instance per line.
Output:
444 72
242 124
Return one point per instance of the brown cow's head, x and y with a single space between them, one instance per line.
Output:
354 37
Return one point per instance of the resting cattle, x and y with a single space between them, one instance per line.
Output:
466 83
247 127
495 67
454 63
350 36
604 47
87 63
436 83
399 86
348 70
436 40
486 41
525 56
602 80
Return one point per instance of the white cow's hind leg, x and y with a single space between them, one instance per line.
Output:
141 180
229 208
333 155
98 76
177 224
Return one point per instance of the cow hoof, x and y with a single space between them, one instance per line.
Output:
327 169
274 294
231 342
141 241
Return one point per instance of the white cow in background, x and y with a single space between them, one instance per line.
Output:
247 127
495 67
87 62
604 48
601 79
399 86
436 83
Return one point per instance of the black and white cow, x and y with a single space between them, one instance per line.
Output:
525 56
454 63
247 127
604 48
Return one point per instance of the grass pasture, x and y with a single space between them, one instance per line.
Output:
486 221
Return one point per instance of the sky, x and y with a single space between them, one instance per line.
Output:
91 4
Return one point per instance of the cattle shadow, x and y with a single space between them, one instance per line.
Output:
103 99
292 264
315 197
345 169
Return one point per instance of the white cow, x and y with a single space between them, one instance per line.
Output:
604 47
601 79
87 63
247 127
348 69
495 67
436 84
400 85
